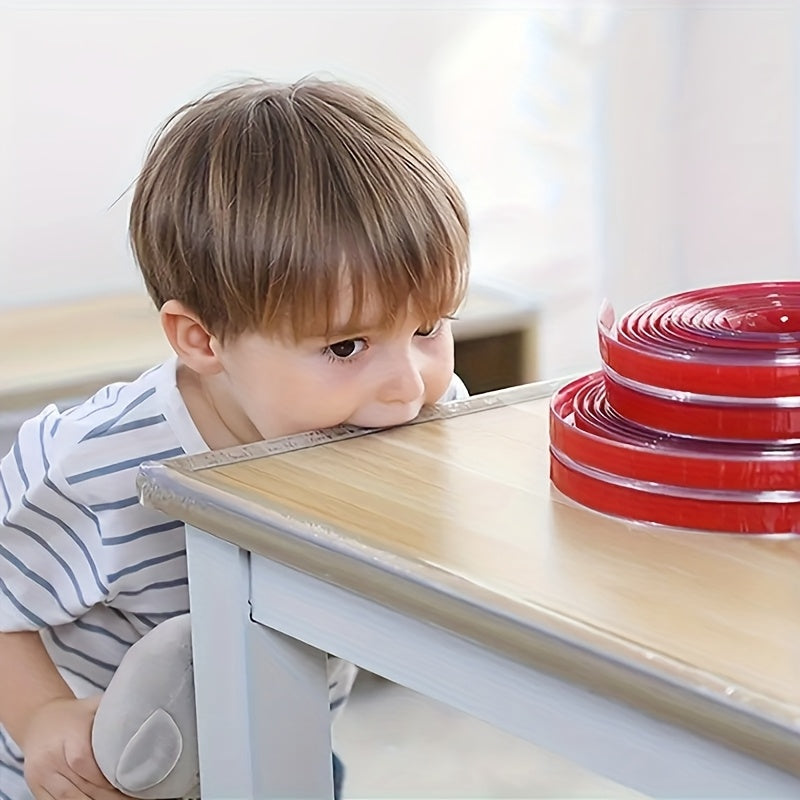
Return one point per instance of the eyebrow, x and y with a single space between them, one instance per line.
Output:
347 332
356 329
351 330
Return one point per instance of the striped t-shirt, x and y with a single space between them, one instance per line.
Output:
81 561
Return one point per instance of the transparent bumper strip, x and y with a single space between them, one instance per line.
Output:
755 422
678 492
589 431
695 398
649 503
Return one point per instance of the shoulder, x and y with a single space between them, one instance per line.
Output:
455 391
86 448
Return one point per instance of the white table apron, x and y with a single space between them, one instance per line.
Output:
261 630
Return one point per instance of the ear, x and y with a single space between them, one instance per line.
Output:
195 345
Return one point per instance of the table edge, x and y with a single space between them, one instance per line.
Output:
271 447
741 720
746 721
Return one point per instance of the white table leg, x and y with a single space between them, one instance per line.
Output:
262 698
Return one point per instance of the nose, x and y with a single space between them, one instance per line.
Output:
403 381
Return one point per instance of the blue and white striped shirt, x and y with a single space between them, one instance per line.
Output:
81 561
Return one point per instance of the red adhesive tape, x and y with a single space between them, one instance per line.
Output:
735 419
741 340
694 421
588 431
643 505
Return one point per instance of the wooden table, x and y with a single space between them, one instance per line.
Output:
438 555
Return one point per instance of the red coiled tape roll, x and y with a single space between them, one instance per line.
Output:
727 419
730 341
695 419
718 363
608 464
740 514
584 428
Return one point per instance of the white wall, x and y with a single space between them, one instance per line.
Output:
86 84
619 149
700 147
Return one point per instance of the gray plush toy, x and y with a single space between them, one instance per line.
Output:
145 731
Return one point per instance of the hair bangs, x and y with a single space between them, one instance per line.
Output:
378 222
361 281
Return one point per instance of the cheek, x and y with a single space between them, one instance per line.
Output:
274 390
440 370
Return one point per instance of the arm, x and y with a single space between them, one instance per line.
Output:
38 565
50 725
30 681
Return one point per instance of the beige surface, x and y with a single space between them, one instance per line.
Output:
700 628
71 349
471 496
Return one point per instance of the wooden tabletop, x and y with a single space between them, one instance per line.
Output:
702 628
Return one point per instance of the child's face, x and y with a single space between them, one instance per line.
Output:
371 377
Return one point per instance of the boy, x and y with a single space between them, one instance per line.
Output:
305 251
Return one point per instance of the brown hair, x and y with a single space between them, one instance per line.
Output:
256 202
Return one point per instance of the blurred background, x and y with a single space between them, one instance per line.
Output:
605 149
613 149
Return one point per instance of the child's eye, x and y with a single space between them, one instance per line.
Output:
346 349
430 330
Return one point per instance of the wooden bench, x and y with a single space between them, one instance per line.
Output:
66 351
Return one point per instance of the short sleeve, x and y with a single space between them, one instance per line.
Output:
455 391
50 543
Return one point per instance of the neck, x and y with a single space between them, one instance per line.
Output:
215 416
